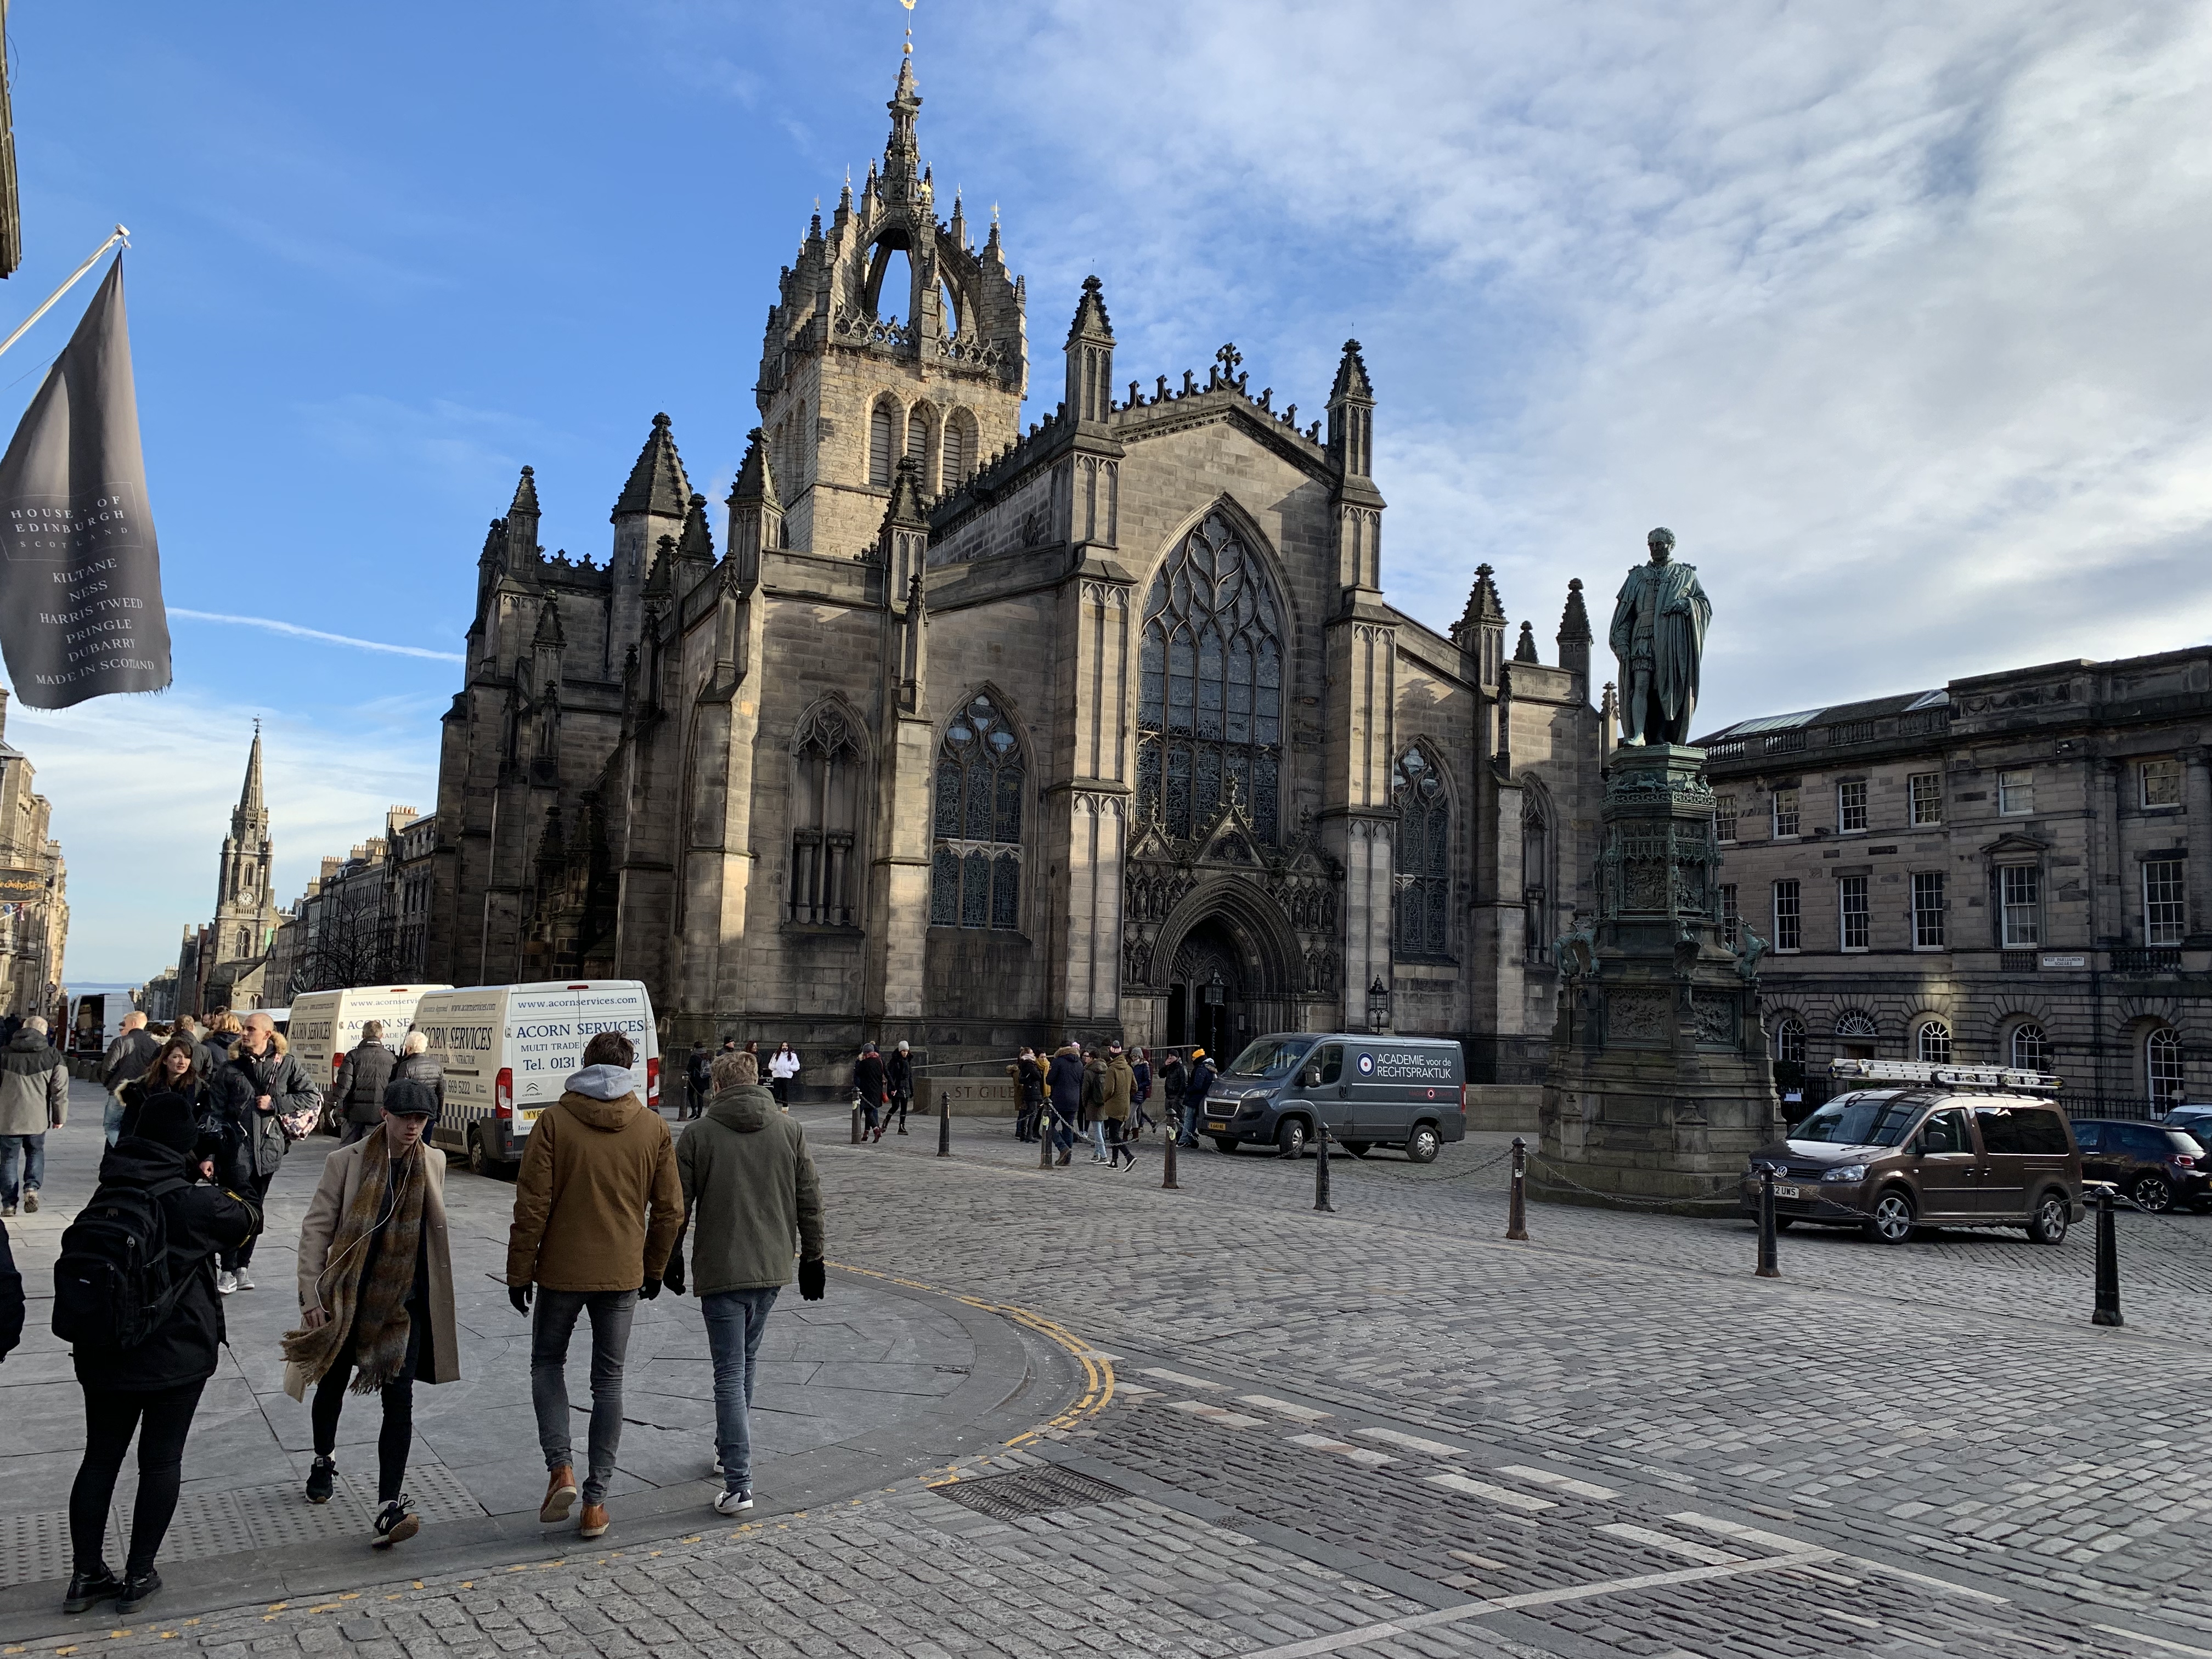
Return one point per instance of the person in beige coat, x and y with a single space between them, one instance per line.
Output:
376 1296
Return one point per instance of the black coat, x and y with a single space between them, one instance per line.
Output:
898 1073
127 1057
1064 1078
242 1079
868 1077
202 1220
221 1136
1201 1079
359 1090
11 1296
1172 1079
420 1068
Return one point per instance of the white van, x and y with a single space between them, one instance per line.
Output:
325 1026
507 1049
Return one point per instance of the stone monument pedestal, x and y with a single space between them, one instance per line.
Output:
1659 1081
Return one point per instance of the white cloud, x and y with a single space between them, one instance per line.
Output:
143 789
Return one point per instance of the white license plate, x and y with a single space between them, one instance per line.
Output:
1789 1192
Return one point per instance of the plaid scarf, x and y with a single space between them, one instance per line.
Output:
370 1307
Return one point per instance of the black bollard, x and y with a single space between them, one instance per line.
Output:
2108 1263
1320 1171
944 1124
1044 1135
1167 1169
1516 1208
856 1120
1766 1267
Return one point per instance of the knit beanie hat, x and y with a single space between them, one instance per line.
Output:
166 1119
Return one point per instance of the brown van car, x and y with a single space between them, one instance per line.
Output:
1889 1160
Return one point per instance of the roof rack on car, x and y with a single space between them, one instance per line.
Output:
1957 1077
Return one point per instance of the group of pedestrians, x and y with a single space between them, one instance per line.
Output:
882 1087
1101 1095
604 1201
781 1069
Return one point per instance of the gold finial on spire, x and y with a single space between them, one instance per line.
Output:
908 4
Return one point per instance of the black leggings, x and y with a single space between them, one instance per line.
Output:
397 1438
243 1255
162 1418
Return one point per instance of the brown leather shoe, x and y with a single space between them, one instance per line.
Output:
593 1521
560 1495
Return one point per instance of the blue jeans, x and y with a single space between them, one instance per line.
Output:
111 1119
611 1312
735 1320
30 1151
1192 1111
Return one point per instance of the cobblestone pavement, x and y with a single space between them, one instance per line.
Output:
1387 1431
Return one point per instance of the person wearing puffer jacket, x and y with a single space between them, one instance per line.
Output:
597 1209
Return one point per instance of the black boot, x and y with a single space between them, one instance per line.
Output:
322 1479
138 1588
396 1522
86 1589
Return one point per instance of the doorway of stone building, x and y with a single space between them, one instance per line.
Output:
1206 1001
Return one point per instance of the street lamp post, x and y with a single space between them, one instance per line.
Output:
1378 1005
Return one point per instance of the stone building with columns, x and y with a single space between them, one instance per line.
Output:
2008 869
977 733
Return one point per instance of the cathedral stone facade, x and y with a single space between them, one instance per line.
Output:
976 735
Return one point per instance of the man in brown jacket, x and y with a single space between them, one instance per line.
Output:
595 1164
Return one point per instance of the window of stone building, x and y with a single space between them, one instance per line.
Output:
1424 860
826 758
1789 1040
1928 910
1724 817
883 441
921 440
2162 1066
1785 812
2015 792
1788 917
1856 918
975 868
1210 715
1934 1043
1927 791
2019 901
960 448
2028 1047
1731 918
1535 864
1855 1035
1852 806
2160 782
2165 902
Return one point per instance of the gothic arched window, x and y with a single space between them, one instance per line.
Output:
826 758
975 869
921 442
1423 856
960 448
883 420
1211 711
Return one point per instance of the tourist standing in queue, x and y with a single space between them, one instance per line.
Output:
898 1080
1027 1074
782 1066
597 1209
33 1098
357 1096
1172 1079
151 1387
1119 1106
1094 1102
1195 1090
376 1297
1140 1068
868 1080
698 1078
125 1062
259 1085
1064 1087
751 1197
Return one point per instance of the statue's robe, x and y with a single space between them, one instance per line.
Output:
1680 614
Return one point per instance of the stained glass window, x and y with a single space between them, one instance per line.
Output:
975 873
1424 857
1210 712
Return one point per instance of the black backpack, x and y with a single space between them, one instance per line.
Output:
112 1283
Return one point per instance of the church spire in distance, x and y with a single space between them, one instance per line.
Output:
252 806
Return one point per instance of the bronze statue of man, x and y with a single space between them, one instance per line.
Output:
1659 635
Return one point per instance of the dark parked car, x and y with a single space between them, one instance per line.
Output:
2158 1167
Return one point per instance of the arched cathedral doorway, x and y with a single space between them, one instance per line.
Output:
1207 1002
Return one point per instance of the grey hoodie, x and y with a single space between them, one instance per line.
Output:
750 1193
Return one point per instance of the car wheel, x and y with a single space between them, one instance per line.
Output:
2048 1224
1224 1144
480 1158
1290 1138
1892 1220
1425 1144
1357 1148
2152 1193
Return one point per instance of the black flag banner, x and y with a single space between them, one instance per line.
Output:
81 612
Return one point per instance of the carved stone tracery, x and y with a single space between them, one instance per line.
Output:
1297 880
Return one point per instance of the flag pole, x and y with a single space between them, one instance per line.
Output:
121 234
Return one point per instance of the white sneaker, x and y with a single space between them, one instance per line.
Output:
734 1503
241 1280
225 1281
717 1469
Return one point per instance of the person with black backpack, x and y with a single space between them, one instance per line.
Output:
135 1298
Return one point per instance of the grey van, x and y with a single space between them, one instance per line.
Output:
1370 1091
1890 1160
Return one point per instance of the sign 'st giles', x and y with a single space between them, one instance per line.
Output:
81 612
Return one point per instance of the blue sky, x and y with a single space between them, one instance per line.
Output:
1896 321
